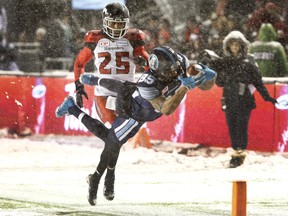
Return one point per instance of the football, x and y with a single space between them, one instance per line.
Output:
193 70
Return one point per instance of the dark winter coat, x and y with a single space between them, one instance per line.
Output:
235 76
238 76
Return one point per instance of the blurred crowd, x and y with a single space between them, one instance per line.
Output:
209 32
59 40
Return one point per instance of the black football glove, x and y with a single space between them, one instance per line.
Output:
79 93
272 100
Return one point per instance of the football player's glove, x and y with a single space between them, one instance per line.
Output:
206 74
188 82
79 93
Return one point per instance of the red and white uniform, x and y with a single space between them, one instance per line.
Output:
113 59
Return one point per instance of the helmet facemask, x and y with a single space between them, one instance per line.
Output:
171 72
115 28
115 20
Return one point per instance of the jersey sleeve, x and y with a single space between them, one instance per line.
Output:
149 87
146 86
82 59
141 51
136 38
148 92
91 38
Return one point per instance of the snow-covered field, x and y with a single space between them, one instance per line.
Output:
45 175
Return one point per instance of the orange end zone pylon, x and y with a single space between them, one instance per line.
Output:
141 139
239 198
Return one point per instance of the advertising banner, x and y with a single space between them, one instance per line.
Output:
30 102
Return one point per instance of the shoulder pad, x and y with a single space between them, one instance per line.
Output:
136 37
93 36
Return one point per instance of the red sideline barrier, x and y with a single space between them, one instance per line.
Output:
199 119
36 98
31 102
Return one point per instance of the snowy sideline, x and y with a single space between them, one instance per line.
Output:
52 170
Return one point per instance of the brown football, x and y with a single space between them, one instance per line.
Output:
192 70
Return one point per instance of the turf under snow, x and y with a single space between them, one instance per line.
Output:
45 175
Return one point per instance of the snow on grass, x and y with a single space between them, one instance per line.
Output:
45 175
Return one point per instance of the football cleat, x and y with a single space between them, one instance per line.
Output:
93 182
109 184
63 108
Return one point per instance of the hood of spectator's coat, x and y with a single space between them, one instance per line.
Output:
236 36
267 33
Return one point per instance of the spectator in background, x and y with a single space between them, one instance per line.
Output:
58 40
151 32
164 33
192 41
3 20
240 9
216 32
269 54
205 8
268 13
192 29
8 54
152 26
150 42
38 38
194 50
238 75
39 34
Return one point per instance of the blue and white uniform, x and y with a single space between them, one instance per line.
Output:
148 88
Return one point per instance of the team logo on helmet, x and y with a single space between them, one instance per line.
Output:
153 62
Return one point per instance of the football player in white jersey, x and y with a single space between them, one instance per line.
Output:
116 48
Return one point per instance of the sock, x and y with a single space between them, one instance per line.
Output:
109 168
97 173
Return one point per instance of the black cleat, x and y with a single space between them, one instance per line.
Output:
93 182
109 184
237 160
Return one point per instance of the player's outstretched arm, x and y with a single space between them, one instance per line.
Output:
168 105
92 80
89 79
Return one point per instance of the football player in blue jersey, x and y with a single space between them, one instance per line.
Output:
158 91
